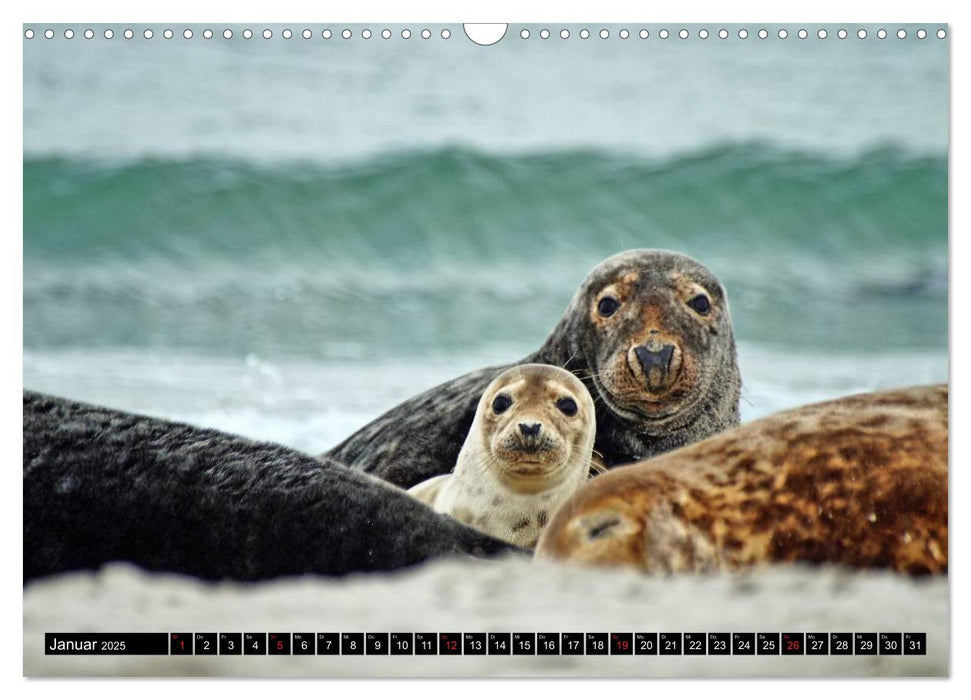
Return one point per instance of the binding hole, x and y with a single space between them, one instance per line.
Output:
485 34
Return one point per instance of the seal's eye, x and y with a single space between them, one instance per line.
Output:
567 406
501 403
700 304
607 306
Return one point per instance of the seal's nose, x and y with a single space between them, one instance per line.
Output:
530 429
656 365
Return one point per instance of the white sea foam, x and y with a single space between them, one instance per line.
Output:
312 406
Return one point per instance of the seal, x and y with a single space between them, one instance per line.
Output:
529 448
649 332
859 481
103 485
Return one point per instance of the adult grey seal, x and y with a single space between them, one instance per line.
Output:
859 481
103 485
528 450
650 334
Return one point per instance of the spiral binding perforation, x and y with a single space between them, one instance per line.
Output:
524 33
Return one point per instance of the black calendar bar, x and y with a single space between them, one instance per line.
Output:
509 644
102 644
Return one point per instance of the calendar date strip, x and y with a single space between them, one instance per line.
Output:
487 643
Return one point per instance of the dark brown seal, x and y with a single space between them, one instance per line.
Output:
859 481
649 333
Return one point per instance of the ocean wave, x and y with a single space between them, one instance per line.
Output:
440 249
465 204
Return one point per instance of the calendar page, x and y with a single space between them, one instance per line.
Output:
525 350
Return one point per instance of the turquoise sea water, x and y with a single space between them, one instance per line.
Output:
422 252
285 237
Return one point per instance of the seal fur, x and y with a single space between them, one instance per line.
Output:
662 374
103 485
519 463
859 481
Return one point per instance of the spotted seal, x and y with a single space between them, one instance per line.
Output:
859 481
102 485
648 332
528 450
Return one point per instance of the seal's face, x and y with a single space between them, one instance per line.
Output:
536 423
651 320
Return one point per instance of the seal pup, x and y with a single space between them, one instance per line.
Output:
103 485
529 449
650 334
859 481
